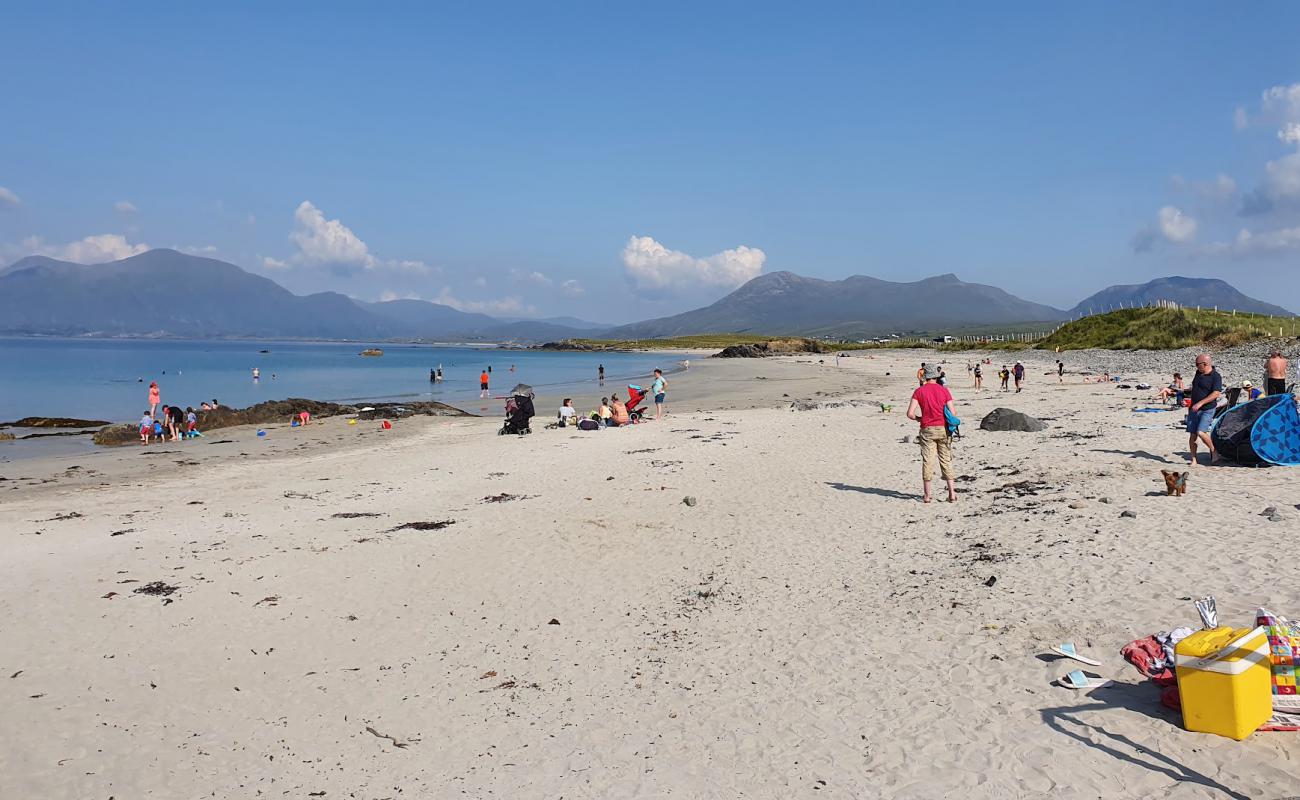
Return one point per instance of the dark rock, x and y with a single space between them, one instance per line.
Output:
54 422
773 347
1268 512
281 411
1006 419
689 500
1128 515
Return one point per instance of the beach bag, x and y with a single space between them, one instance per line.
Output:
1284 657
588 425
951 424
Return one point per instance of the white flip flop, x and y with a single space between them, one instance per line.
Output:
1067 649
1079 680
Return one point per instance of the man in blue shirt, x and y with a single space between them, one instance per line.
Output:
1206 388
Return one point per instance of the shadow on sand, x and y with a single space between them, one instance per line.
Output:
1070 721
1138 454
891 493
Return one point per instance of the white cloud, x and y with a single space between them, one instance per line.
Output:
125 207
8 199
480 282
389 295
1281 102
1240 119
572 288
1171 225
1249 244
95 249
1176 226
654 268
504 305
534 277
327 242
198 249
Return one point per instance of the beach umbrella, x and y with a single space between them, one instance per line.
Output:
522 390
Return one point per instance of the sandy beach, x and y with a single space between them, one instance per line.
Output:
438 611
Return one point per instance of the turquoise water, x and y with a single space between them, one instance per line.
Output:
109 379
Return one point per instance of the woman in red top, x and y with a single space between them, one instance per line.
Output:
155 398
927 407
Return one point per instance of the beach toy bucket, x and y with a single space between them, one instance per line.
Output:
1224 681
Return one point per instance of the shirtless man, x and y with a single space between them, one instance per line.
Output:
1275 370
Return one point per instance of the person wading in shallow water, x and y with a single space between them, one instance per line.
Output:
927 408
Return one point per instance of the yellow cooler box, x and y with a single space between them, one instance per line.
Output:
1224 681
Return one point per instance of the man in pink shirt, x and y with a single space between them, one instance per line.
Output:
927 407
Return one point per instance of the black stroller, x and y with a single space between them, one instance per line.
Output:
519 410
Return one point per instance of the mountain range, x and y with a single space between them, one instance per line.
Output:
1203 292
167 293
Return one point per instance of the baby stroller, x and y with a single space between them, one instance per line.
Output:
635 394
519 410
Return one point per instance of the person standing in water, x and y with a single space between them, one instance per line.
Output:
483 383
600 374
257 374
155 398
660 391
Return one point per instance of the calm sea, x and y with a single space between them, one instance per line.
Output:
109 379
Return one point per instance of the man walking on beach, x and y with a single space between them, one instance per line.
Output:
1018 371
1060 371
1206 388
1275 373
927 408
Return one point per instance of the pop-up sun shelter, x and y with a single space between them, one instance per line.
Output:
1263 431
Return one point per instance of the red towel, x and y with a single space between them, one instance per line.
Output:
1145 654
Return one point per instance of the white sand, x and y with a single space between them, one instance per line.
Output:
808 628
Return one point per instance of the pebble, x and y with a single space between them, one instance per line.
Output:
906 440
1105 500
1277 518
1271 511
690 500
1128 514
1077 504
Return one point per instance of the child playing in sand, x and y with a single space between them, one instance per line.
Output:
146 427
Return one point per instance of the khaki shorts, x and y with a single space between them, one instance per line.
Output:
935 446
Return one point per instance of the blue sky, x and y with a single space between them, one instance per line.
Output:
617 162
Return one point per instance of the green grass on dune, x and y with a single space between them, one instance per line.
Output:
1166 329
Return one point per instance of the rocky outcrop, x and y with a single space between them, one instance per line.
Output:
54 422
773 347
1006 419
282 411
570 346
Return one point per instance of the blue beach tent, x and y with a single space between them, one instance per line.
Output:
1263 431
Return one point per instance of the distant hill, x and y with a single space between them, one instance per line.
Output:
163 292
1203 292
167 293
780 303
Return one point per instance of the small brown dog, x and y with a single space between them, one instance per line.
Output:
1175 482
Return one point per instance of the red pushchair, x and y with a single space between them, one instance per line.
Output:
635 394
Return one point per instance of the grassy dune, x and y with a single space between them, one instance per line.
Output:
1166 329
